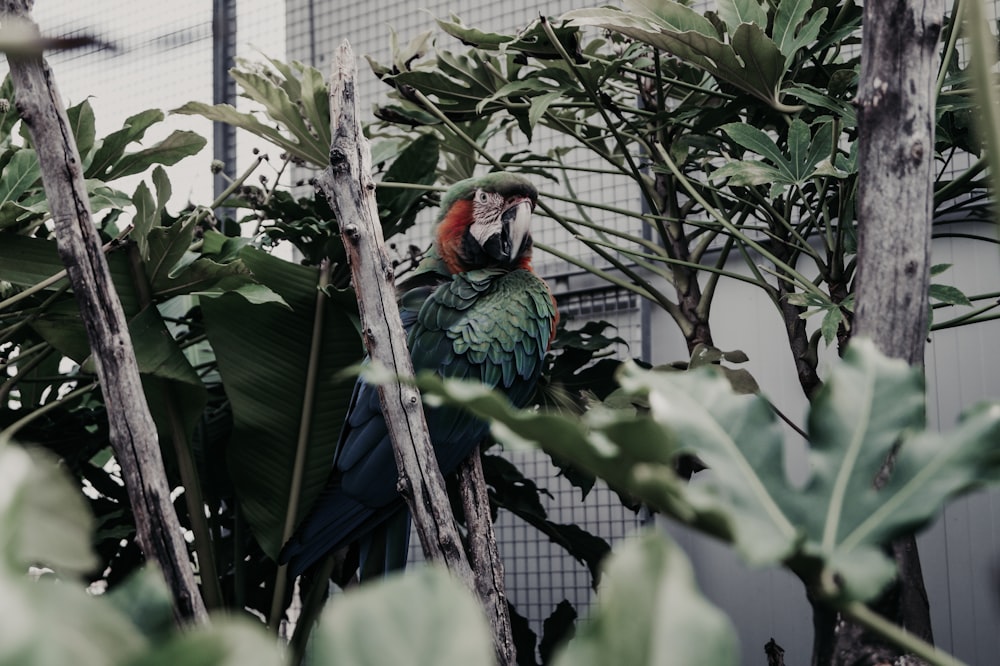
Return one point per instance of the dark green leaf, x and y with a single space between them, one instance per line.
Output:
735 12
263 353
173 149
112 147
948 294
558 628
145 218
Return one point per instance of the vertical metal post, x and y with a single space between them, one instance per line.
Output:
223 91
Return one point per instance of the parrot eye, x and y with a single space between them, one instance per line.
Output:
481 196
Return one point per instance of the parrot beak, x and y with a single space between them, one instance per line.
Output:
514 235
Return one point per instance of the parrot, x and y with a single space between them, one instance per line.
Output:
473 309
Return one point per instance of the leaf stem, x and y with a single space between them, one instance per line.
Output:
305 431
899 636
7 434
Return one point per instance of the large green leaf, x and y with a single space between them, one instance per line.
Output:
426 618
27 261
751 61
806 154
294 96
20 173
834 526
83 123
739 439
264 355
171 150
228 641
44 520
649 611
790 33
736 12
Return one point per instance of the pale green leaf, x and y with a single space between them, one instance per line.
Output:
254 293
735 12
788 33
739 439
746 173
19 174
310 151
650 578
44 520
227 641
423 618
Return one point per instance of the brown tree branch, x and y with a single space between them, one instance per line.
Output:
348 185
132 431
484 555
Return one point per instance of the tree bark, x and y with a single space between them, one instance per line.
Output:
349 187
132 431
484 555
896 101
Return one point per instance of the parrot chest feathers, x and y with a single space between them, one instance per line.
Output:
487 324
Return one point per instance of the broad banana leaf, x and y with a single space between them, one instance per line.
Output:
270 369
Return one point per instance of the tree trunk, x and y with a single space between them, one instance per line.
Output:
350 189
132 431
896 100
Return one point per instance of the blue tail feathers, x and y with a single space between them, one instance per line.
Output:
334 522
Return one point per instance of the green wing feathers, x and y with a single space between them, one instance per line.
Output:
489 325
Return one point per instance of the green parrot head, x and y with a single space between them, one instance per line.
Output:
485 223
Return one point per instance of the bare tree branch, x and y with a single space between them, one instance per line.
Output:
485 555
348 185
132 431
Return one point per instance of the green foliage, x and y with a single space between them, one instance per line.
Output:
425 618
650 578
294 96
43 521
750 60
829 531
279 364
743 140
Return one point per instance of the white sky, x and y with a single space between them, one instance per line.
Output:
162 59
